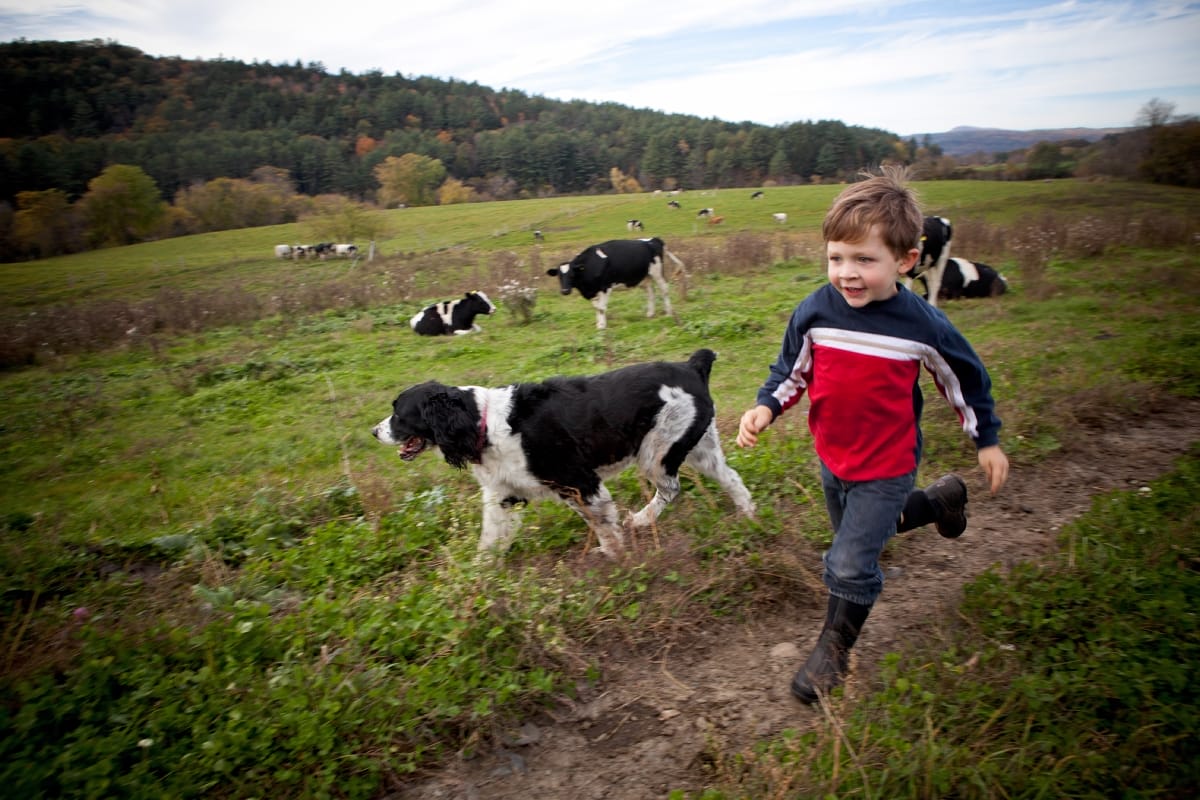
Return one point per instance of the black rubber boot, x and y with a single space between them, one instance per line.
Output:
827 665
948 494
943 502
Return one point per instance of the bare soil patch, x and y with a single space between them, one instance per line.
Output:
654 722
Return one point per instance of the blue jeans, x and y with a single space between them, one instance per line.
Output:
864 515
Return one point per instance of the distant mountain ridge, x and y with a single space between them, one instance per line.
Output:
965 139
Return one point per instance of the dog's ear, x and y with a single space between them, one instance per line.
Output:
455 428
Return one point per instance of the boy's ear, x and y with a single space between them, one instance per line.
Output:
909 260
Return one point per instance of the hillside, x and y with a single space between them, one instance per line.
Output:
68 109
966 140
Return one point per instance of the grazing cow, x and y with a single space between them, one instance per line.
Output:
935 252
619 262
323 250
301 251
963 278
452 316
283 251
779 217
538 237
673 204
559 439
345 250
633 224
756 196
704 212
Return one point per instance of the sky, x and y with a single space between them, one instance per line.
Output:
905 66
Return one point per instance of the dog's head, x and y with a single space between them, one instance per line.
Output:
433 415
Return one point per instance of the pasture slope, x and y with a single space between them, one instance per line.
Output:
205 495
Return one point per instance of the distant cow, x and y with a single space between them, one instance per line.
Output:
935 252
779 217
673 204
715 220
756 195
452 316
963 278
633 224
619 262
704 212
283 251
538 236
345 250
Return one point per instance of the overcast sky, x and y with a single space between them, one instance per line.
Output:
907 67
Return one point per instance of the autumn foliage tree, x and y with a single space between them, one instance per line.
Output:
122 206
45 224
410 179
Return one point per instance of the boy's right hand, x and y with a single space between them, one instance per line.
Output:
753 422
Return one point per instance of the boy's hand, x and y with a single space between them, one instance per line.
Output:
995 466
753 422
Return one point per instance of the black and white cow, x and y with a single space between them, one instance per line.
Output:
634 224
705 212
345 250
673 204
963 278
935 252
756 196
452 316
559 439
618 262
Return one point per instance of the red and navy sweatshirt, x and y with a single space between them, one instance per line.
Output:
860 367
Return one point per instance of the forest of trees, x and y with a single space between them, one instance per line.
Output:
280 137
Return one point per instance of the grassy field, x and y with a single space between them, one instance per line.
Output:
217 583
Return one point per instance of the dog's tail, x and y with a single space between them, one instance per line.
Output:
702 361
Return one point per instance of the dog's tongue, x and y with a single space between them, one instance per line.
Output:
412 448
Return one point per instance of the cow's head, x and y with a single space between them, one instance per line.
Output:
479 303
563 273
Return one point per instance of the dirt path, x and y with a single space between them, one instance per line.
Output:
644 731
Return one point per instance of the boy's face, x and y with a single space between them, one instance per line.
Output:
866 271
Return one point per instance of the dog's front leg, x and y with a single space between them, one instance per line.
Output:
500 523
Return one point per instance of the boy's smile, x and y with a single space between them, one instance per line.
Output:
866 271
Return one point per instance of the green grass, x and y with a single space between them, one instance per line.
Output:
217 583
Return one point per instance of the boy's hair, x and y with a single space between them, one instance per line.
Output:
884 200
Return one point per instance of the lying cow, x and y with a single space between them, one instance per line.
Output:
634 224
963 278
935 252
619 262
452 316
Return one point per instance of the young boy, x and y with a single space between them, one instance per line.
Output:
857 345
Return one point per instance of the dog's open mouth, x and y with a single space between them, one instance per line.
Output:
413 446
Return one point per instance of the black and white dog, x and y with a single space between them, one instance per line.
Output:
560 438
452 316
